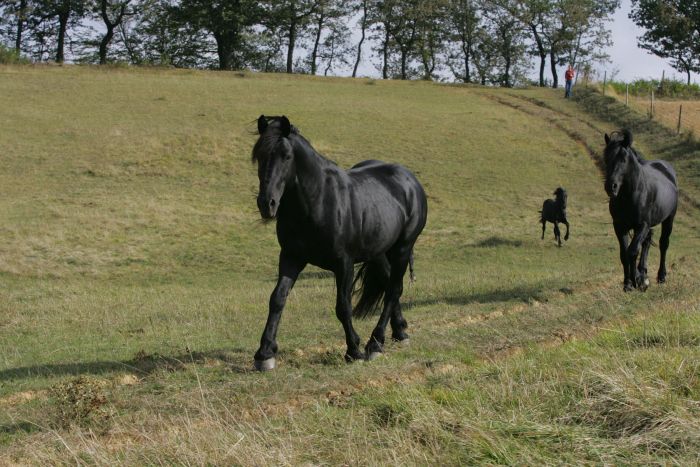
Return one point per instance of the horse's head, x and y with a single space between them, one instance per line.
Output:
561 196
618 157
275 157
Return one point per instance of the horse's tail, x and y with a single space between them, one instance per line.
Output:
370 284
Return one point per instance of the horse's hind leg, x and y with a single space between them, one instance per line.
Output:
343 308
392 308
641 279
666 229
544 223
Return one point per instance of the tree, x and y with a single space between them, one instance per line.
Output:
364 24
227 21
158 35
292 17
112 14
65 13
672 31
431 20
328 29
14 14
508 40
464 21
575 28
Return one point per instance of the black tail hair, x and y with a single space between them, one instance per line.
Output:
370 284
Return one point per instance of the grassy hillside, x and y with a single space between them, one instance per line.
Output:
135 275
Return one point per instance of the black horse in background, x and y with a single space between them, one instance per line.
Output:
332 218
642 194
554 211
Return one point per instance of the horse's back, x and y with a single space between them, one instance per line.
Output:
392 193
666 169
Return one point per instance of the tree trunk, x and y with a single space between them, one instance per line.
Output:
317 39
404 60
385 53
62 26
466 50
20 26
362 38
553 65
541 52
290 47
223 50
105 42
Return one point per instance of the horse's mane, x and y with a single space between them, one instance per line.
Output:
267 143
617 137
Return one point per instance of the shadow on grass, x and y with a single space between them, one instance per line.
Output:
237 360
496 242
21 427
524 294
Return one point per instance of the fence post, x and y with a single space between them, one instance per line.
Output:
605 80
627 95
651 108
680 113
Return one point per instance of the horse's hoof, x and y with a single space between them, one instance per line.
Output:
265 365
628 288
350 359
403 342
373 355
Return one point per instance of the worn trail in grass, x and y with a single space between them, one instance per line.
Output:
135 278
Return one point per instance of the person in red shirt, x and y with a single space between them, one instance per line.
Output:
569 77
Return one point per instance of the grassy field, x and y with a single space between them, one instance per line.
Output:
135 274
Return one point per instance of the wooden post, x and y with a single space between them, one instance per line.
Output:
680 113
627 95
651 107
605 80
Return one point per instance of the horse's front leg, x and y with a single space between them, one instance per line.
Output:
289 270
343 308
566 223
557 233
640 235
642 280
622 239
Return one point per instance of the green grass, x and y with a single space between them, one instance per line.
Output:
134 278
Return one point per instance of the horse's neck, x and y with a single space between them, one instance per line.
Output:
635 177
310 167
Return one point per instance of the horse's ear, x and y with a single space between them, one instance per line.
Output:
626 138
262 124
285 126
607 139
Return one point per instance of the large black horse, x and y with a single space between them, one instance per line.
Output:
554 211
642 194
333 218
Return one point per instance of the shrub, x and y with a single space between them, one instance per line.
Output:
10 56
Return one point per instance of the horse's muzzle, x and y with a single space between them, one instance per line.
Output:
612 189
267 208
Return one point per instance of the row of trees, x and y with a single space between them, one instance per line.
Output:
485 41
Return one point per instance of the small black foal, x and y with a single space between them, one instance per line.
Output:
554 211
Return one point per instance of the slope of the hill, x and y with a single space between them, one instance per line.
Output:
135 275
